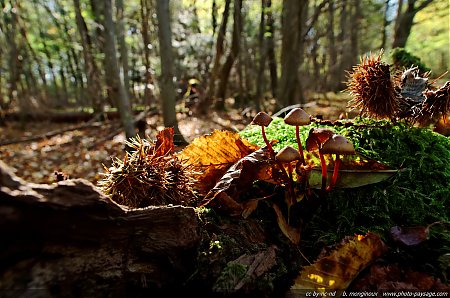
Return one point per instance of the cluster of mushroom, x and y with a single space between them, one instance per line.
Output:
323 140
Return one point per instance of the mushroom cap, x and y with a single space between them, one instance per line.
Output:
287 154
338 145
297 117
262 119
317 137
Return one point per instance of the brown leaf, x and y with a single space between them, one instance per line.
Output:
292 233
337 270
212 155
249 206
164 142
237 179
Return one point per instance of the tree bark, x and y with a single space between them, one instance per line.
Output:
122 45
94 89
149 97
122 99
262 56
232 56
333 69
405 21
167 85
272 61
208 99
385 24
68 239
291 50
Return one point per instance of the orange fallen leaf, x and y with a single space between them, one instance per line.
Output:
337 270
211 155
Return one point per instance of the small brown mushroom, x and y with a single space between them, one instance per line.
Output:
298 117
263 119
288 155
337 145
316 138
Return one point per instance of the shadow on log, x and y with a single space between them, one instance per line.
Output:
69 240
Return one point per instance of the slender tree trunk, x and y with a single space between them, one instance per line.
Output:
214 16
234 52
122 45
271 50
208 99
90 66
167 86
405 22
385 24
262 56
122 99
332 78
11 18
291 50
149 97
354 24
36 61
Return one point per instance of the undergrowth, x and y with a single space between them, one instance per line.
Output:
417 196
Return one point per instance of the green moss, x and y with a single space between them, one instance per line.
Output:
419 195
230 277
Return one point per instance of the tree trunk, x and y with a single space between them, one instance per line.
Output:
385 24
208 99
405 21
94 90
291 50
272 61
234 52
149 98
13 57
122 100
122 45
167 85
332 77
262 56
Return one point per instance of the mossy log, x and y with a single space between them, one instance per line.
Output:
68 239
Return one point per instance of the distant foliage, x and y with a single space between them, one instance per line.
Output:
402 59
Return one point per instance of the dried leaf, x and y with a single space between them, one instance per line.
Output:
337 270
249 206
410 236
164 142
292 233
237 179
212 155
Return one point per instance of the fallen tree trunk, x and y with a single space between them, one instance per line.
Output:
68 239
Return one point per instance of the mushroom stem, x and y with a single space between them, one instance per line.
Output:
335 172
324 170
269 146
299 143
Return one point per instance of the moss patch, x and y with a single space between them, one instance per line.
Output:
420 195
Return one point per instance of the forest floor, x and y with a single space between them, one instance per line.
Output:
82 153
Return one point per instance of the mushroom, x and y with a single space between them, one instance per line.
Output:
337 145
288 155
298 117
316 138
263 119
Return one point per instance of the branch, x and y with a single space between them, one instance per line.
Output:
422 5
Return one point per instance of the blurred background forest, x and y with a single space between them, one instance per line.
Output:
184 59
